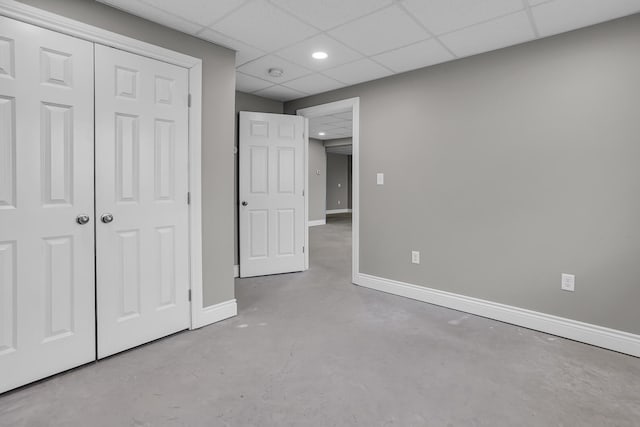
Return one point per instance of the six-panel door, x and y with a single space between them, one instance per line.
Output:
271 194
46 182
142 246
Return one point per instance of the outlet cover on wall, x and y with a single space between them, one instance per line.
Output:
568 282
415 257
380 179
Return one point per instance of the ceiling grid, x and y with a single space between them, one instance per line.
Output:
365 39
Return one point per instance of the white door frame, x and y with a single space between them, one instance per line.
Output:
323 110
32 15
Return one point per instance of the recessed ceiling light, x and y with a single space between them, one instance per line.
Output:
321 133
320 55
275 72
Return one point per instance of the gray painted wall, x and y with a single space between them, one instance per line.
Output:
246 102
511 168
317 183
217 128
337 174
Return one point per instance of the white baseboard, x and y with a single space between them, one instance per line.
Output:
236 271
623 342
338 211
317 222
216 313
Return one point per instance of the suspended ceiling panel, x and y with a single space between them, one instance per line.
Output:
332 126
365 39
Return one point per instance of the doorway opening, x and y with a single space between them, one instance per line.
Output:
332 174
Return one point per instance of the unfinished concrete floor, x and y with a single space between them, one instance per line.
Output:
310 349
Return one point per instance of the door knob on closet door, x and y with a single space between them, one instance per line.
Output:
106 218
82 219
244 203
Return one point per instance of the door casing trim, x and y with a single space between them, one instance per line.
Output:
352 104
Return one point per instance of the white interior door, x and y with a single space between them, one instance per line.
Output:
272 216
46 181
142 236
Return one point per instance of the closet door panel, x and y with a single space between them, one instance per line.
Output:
141 188
47 302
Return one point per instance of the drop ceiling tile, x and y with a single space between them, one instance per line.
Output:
260 68
566 15
324 120
203 12
154 14
326 14
264 26
301 53
333 127
383 30
314 83
280 93
418 55
333 123
357 72
347 115
246 83
244 53
442 16
496 34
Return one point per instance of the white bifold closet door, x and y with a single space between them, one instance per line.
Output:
47 312
142 246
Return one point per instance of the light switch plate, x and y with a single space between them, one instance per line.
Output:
380 178
568 282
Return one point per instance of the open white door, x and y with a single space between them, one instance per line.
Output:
272 208
142 240
46 203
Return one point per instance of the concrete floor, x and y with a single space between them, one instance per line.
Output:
310 349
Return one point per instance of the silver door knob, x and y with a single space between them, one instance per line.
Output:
106 218
82 219
244 203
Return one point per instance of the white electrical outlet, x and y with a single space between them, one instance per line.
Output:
339 185
568 282
338 201
415 257
380 179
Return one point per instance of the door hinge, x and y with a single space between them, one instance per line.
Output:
303 249
302 193
189 294
189 101
189 197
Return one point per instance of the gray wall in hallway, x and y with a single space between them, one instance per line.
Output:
217 128
317 183
511 167
337 174
247 102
